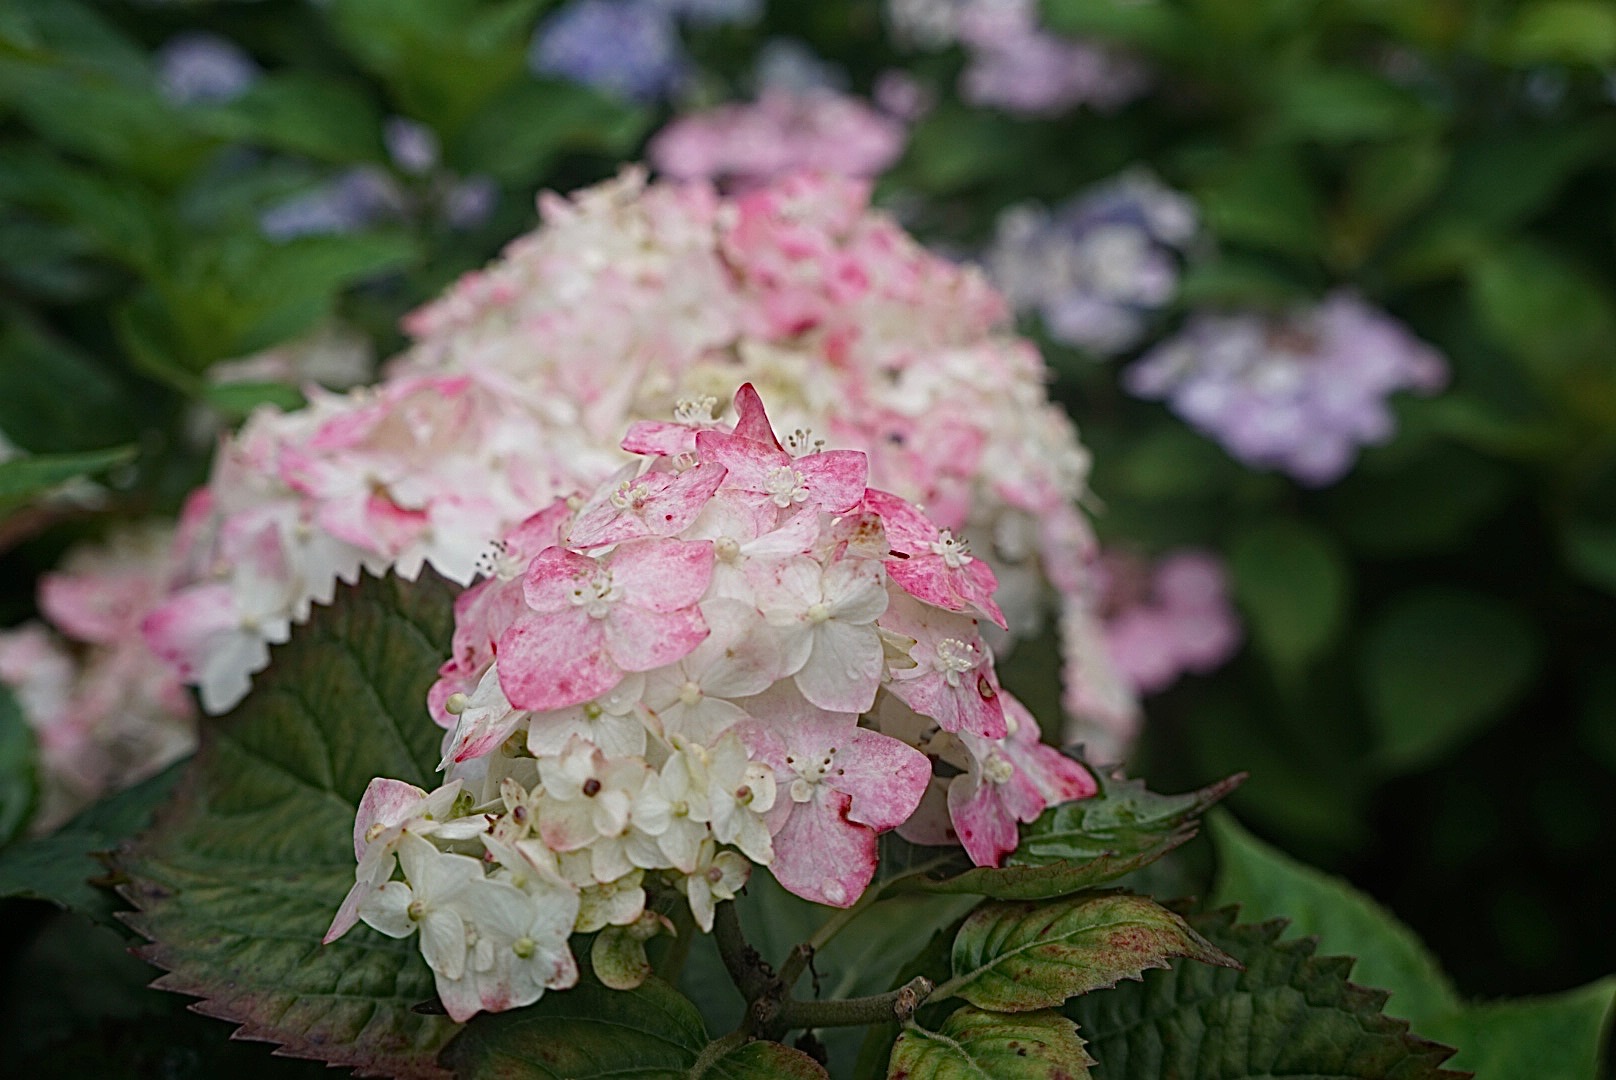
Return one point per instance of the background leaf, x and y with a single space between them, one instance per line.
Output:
1438 665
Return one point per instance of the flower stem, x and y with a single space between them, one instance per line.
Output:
746 968
875 1009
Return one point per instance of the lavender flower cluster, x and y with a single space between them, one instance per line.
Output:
1013 63
1300 391
1098 267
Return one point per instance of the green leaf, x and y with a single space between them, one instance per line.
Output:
1087 842
58 868
1265 200
239 399
652 1032
301 113
53 398
1590 550
1267 884
520 136
1438 665
1566 31
443 60
1287 1013
1342 105
19 783
1554 315
251 857
25 478
1293 584
1561 1035
977 1045
1018 957
1521 1039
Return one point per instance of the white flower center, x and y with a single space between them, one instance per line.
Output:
689 694
784 485
997 768
630 496
954 658
818 613
524 947
810 771
694 410
955 553
727 548
596 594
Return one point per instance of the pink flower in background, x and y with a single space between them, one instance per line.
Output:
105 711
745 145
1166 618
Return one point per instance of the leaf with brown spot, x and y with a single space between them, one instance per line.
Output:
977 1045
1015 957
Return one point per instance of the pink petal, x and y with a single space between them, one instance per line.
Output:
751 421
908 530
985 815
663 574
184 630
928 577
555 659
548 582
659 438
671 503
822 856
835 478
387 802
639 639
885 778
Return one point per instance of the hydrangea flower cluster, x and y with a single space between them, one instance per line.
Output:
104 713
1013 63
661 684
199 68
1097 268
747 144
1165 618
629 299
630 48
1300 391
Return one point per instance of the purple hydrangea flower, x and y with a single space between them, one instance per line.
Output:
412 145
1098 267
1299 392
1013 63
623 47
200 68
348 203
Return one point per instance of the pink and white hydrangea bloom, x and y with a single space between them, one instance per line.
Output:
634 302
783 714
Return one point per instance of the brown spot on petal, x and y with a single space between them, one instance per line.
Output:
591 787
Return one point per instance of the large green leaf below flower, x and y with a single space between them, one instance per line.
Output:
1561 1035
250 857
1288 1013
589 1032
